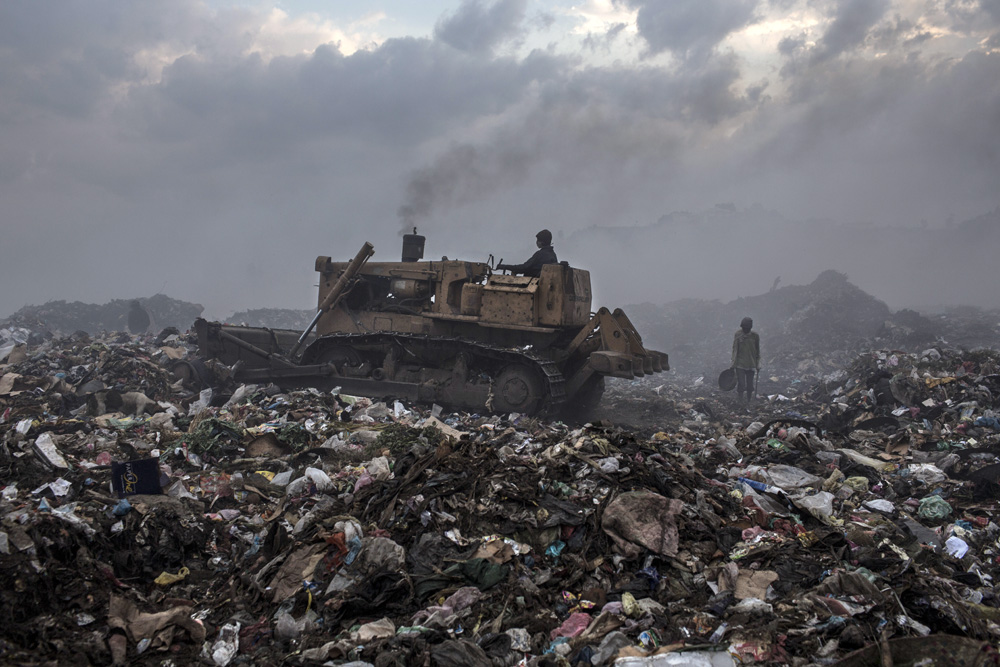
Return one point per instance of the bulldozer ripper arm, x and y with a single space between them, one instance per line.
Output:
337 291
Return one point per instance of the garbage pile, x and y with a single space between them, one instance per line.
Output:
149 522
807 331
66 317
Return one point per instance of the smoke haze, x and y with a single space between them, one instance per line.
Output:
210 151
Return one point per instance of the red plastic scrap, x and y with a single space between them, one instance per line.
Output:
572 626
335 557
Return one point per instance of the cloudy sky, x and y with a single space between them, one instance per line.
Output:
210 150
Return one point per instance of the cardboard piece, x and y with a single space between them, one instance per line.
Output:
447 431
754 583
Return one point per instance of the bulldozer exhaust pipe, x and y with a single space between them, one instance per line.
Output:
413 247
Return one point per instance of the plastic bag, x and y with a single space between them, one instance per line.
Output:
928 473
227 645
934 508
790 477
820 505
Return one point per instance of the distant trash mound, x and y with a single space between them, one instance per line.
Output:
67 317
805 329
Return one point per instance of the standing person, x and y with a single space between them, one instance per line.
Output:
544 255
746 358
138 318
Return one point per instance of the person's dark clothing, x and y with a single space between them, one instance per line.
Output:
744 381
533 267
138 319
746 358
746 349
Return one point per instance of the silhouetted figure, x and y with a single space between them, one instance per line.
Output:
774 285
138 318
746 358
544 255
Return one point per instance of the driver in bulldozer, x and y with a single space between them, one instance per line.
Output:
533 267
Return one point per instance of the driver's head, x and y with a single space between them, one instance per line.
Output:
543 238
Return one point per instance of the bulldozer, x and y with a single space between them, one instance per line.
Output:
451 332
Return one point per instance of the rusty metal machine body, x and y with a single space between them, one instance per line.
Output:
449 332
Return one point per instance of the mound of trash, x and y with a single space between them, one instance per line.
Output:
66 317
807 331
146 521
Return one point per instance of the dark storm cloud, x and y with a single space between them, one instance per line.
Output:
220 153
992 9
222 176
543 20
56 65
882 139
897 31
969 14
65 57
403 91
851 24
603 42
479 26
790 45
690 28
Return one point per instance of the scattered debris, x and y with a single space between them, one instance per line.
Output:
849 514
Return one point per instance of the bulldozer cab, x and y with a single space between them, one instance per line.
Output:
559 297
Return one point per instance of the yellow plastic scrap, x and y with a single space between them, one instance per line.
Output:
808 538
265 473
933 382
833 481
602 444
629 605
165 578
857 484
660 436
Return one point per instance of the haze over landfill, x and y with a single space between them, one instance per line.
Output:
692 148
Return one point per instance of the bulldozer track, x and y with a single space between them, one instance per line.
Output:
498 356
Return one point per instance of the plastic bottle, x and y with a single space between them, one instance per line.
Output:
719 632
760 486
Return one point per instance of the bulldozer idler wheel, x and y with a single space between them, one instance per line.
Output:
517 389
